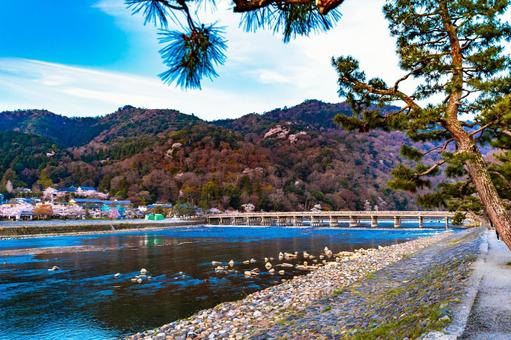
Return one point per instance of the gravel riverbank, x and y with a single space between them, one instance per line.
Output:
291 309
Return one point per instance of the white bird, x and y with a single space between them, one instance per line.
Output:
271 271
231 263
281 256
117 274
54 268
215 263
268 265
281 272
143 271
252 260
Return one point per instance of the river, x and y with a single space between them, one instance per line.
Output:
85 300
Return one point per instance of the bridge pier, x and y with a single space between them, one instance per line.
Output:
353 221
316 221
334 222
397 222
374 221
328 218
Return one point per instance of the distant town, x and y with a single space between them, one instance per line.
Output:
82 202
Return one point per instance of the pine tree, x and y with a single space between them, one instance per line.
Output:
454 50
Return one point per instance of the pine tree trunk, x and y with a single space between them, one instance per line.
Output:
492 203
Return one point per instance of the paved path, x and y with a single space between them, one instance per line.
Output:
490 317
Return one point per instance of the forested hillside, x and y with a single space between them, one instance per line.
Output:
286 159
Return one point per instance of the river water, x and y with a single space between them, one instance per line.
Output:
83 300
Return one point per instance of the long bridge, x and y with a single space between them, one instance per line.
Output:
329 218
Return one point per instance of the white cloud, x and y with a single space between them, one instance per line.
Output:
271 77
261 72
82 91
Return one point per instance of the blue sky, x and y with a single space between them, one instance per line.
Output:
89 57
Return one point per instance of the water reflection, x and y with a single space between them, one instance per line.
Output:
84 299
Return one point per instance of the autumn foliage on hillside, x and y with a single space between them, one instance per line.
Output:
281 160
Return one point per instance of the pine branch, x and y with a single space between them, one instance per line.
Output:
431 169
484 127
384 92
442 147
323 6
502 177
406 76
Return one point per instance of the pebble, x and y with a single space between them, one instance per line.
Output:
296 293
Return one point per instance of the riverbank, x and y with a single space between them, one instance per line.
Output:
25 229
301 307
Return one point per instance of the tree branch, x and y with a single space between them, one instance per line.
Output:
431 169
250 5
502 177
484 127
386 92
442 147
323 6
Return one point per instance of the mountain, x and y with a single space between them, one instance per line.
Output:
311 114
127 121
63 130
290 158
23 156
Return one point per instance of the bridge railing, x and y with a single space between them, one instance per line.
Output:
337 214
